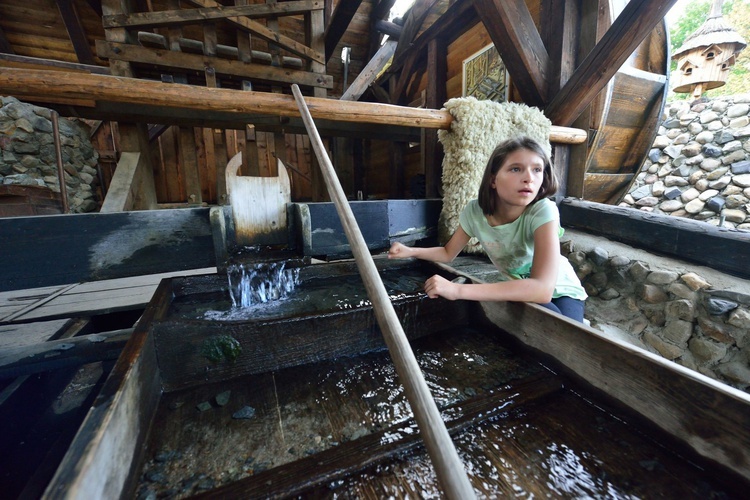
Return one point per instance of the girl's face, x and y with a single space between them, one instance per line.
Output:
519 178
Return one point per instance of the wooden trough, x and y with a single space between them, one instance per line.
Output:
666 430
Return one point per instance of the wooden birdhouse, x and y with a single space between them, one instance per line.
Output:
707 55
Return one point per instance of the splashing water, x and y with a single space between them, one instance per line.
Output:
251 284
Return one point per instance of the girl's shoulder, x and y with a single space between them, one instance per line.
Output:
543 207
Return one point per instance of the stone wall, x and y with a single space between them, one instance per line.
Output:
699 166
28 157
689 314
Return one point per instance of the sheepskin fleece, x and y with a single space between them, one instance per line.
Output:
477 128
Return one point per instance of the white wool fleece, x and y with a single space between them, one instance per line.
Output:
476 130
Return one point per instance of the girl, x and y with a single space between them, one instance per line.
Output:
518 227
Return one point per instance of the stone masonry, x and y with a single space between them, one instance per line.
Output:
691 315
699 165
28 157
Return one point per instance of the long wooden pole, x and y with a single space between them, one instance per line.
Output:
87 89
448 466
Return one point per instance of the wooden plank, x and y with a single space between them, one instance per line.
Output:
107 245
629 29
120 195
196 62
31 333
104 458
191 16
516 38
294 478
46 356
681 238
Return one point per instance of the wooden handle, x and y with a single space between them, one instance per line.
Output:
448 467
87 89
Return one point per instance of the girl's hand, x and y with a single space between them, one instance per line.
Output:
399 251
437 286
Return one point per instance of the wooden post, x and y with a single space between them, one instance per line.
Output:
448 466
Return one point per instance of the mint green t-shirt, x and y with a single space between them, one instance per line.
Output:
511 246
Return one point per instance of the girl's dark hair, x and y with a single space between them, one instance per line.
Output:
487 198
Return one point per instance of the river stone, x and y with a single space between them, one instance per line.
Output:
667 350
740 318
734 215
662 277
670 205
737 110
674 151
731 146
694 207
735 371
719 106
647 202
723 137
742 180
708 116
682 291
599 255
690 195
619 261
673 180
710 164
716 306
672 123
609 294
652 294
680 309
739 122
639 271
682 139
707 194
694 128
733 157
720 183
715 204
706 350
704 137
710 151
695 282
672 193
715 330
641 192
654 155
246 412
715 126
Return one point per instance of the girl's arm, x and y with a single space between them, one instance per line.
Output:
537 288
434 254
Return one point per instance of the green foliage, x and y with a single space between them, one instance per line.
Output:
737 15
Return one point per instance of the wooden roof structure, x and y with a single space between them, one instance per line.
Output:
601 70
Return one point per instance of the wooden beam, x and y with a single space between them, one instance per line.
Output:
338 24
393 30
414 19
635 22
39 63
191 98
370 72
435 96
198 62
677 237
191 16
76 31
516 38
120 196
268 35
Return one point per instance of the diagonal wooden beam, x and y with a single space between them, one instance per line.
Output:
339 23
268 35
516 38
76 32
370 72
190 16
635 22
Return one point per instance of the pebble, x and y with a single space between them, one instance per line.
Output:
246 412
